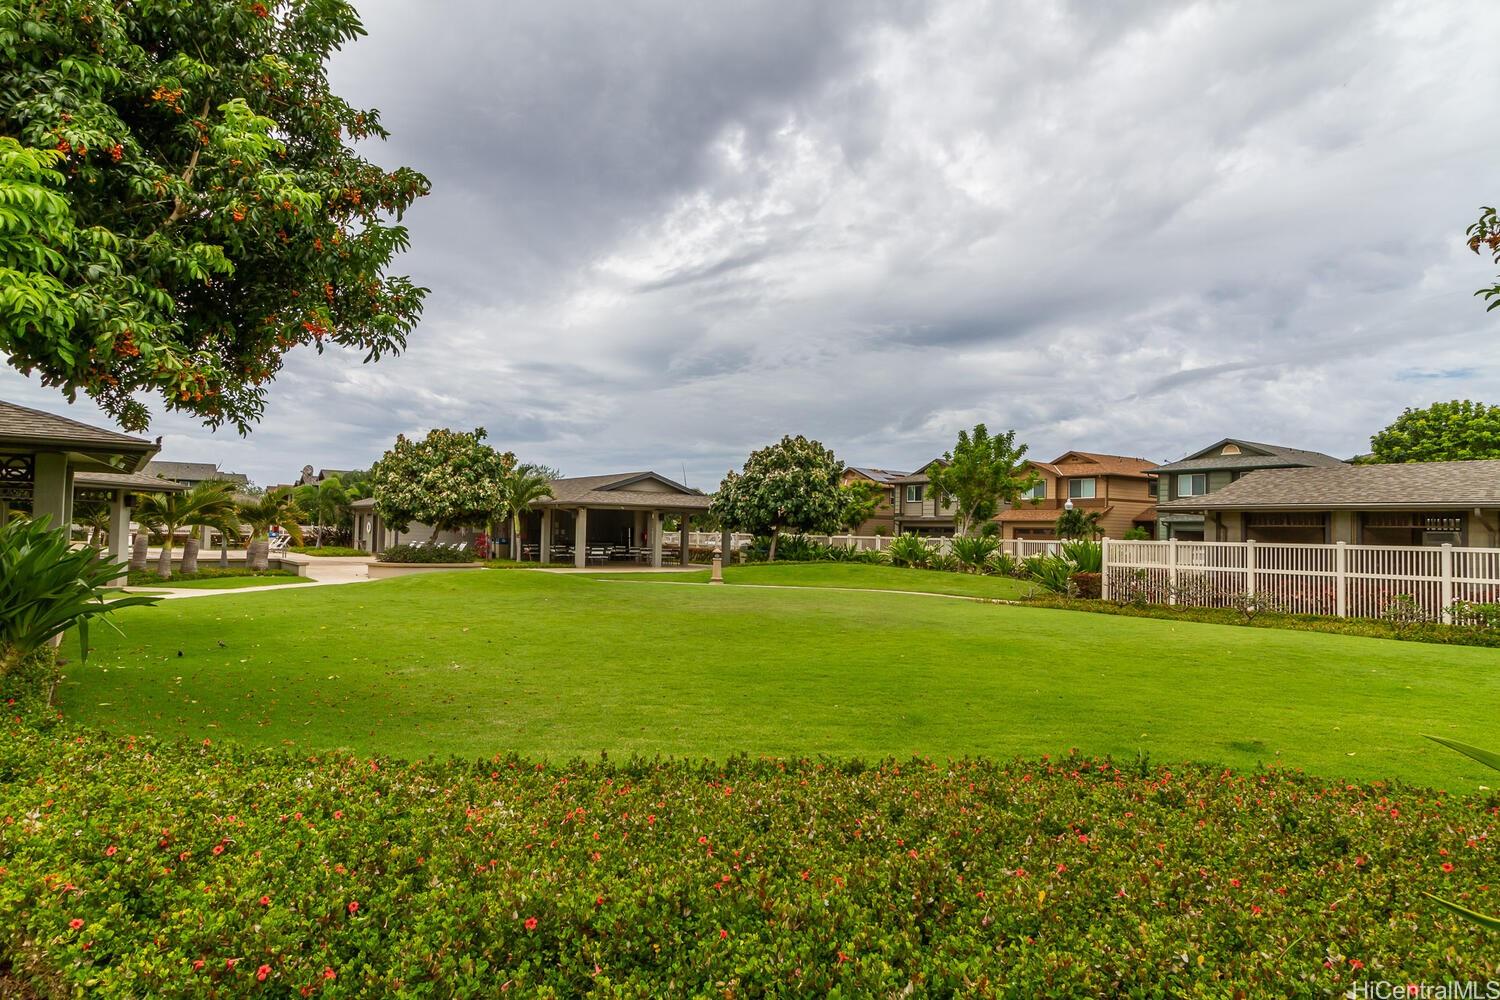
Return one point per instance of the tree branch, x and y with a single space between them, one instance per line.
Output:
179 207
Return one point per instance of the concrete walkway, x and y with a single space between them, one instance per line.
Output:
324 571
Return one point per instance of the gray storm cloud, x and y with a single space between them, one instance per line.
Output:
662 235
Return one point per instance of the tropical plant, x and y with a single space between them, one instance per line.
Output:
793 484
908 549
48 587
449 479
1085 555
1454 431
325 502
1079 523
95 517
208 504
981 474
185 203
1053 573
973 552
424 552
1136 534
520 489
1004 564
1404 612
275 507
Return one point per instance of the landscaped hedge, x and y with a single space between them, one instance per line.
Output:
133 868
424 553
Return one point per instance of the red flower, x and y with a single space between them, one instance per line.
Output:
265 901
338 814
723 934
262 972
531 923
1447 866
110 851
218 848
354 906
75 923
329 974
229 963
197 964
1235 882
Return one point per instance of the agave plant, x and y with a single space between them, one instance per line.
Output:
973 552
908 549
1087 556
1491 760
47 587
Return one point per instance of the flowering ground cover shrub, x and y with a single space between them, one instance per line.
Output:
134 868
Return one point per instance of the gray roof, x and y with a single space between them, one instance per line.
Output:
193 472
878 475
611 491
1258 456
1356 487
615 491
135 481
920 476
27 428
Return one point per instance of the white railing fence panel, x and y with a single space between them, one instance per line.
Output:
1351 581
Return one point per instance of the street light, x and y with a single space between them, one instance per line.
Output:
1069 504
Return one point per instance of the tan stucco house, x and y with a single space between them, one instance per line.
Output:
1425 503
1121 489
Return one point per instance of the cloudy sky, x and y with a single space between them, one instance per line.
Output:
661 235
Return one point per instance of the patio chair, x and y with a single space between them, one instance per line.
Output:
279 543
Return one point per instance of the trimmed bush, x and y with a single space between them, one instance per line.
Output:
424 553
131 868
1086 586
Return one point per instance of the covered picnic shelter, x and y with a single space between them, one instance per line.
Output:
619 517
47 461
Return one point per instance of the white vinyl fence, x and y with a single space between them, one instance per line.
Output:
1349 581
1019 548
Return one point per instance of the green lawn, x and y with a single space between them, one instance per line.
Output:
859 576
328 550
238 582
557 665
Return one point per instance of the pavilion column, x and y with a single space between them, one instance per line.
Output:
687 520
118 546
544 549
655 530
581 538
49 490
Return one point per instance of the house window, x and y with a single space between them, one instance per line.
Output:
1037 492
1080 489
1153 488
1192 484
914 493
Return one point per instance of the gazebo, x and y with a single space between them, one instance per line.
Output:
46 459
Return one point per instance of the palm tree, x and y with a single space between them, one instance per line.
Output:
209 504
518 491
325 501
276 507
1078 523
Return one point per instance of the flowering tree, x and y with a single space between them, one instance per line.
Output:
1484 235
791 484
182 208
980 474
447 480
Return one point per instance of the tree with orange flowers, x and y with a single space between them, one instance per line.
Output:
181 204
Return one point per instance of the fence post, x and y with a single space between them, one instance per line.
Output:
1104 568
1445 593
1171 571
1250 567
1340 580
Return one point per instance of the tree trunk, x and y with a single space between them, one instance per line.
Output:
775 532
190 555
223 550
515 537
138 549
164 561
258 555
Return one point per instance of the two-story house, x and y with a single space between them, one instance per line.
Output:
883 520
1121 489
1214 468
916 507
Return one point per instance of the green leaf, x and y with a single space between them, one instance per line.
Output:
1484 757
1489 923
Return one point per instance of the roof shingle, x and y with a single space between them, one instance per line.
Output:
1357 487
